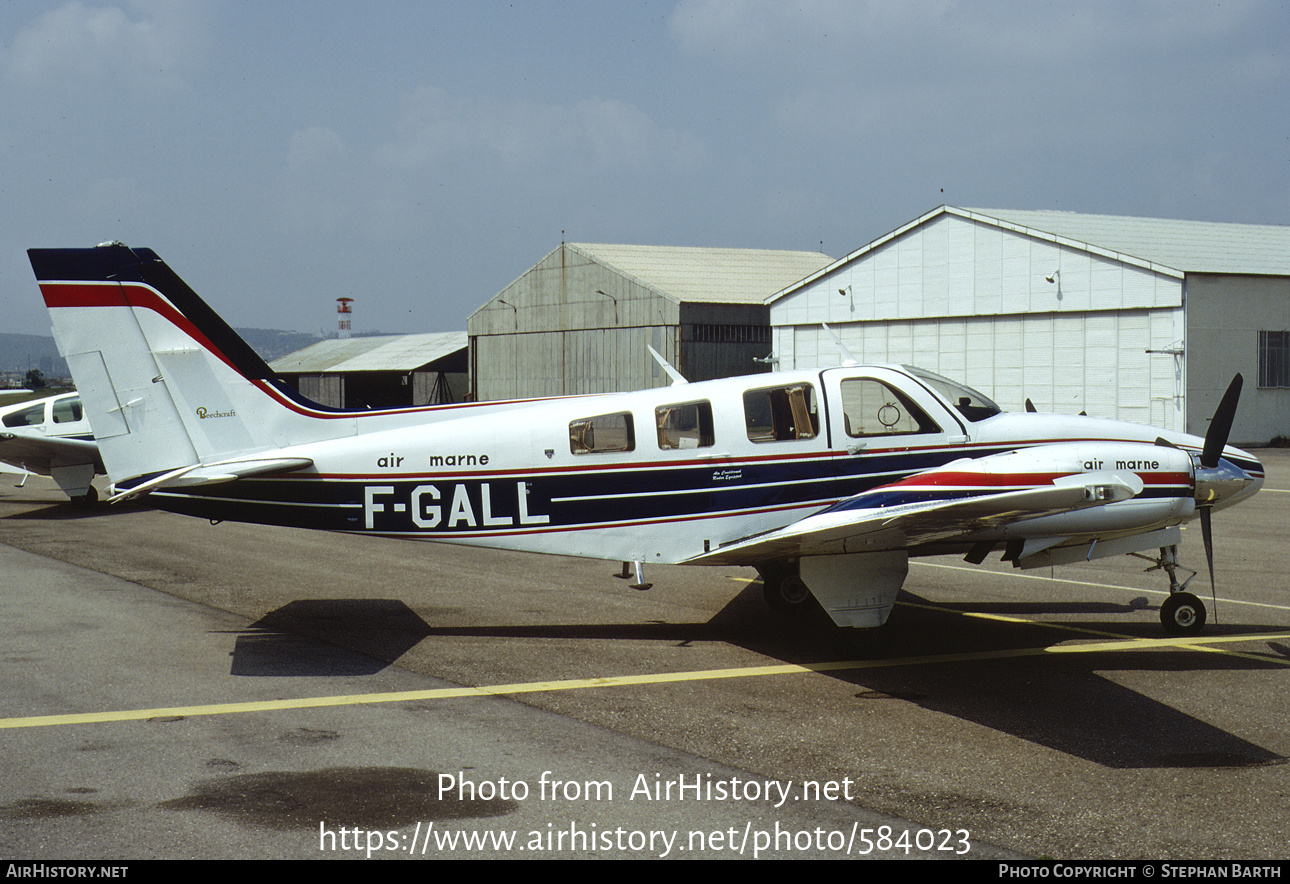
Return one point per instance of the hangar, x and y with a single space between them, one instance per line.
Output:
580 319
379 371
1141 319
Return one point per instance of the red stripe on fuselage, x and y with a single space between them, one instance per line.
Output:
989 480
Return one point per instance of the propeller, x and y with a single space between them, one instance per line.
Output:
1209 475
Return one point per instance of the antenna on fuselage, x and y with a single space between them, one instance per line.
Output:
847 357
676 376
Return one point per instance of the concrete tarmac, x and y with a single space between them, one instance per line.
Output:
1008 713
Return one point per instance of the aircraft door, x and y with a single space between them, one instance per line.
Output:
874 411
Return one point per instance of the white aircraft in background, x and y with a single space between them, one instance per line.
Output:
826 481
52 437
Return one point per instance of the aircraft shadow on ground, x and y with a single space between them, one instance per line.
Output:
321 637
1057 701
66 511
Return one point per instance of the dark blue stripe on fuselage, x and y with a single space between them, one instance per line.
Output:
575 498
446 505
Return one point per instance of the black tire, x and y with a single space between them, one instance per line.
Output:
87 499
786 593
1182 614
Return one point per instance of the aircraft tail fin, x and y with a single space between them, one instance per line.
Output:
166 383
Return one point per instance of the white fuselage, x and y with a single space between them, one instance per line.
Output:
667 475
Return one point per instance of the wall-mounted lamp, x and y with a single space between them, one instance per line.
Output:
844 291
1054 276
515 311
612 298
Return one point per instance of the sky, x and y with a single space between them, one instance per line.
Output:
420 156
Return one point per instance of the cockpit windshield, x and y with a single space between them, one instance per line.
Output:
972 404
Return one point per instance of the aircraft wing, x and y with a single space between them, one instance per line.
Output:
922 509
39 454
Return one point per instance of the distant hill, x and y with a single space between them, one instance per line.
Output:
18 353
21 352
273 343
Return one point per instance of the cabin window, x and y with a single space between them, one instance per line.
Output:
605 432
871 408
28 417
779 414
688 425
67 411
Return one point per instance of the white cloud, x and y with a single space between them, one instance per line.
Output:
76 45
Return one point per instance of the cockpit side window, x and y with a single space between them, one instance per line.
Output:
778 414
972 404
604 432
688 425
871 408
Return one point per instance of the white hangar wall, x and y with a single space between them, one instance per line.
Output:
971 300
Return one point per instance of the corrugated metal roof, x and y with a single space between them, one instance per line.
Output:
707 275
384 353
1188 246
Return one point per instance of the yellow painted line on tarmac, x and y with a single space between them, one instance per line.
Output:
1012 574
505 690
1068 627
1206 645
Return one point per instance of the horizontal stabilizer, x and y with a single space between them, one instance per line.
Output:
214 473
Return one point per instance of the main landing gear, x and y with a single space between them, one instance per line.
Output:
784 589
1182 613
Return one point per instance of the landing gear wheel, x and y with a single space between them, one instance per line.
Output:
1183 614
87 499
787 593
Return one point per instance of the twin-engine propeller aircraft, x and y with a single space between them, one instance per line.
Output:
51 437
826 481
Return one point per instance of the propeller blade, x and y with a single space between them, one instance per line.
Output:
1221 424
1207 535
